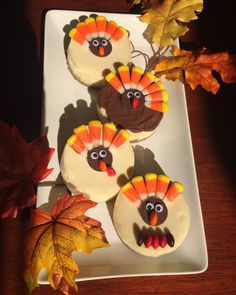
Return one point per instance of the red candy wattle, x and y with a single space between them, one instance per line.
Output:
135 102
111 171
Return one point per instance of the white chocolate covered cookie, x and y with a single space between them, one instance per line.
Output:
97 160
151 215
97 45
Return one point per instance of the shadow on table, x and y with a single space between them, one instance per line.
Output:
221 107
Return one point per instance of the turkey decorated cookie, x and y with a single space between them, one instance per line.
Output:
96 45
151 215
134 100
97 160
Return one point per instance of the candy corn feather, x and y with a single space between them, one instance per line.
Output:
95 134
150 185
96 27
155 96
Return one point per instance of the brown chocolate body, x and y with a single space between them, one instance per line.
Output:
135 120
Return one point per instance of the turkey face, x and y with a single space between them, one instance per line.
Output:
100 159
153 211
100 47
132 99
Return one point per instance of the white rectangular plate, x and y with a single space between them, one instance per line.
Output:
67 102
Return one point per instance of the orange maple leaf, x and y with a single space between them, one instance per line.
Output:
198 67
51 238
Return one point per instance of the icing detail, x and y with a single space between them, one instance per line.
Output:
141 83
99 30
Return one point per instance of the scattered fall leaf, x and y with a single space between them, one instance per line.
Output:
50 240
197 67
22 165
165 19
135 2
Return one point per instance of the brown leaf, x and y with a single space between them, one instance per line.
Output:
198 67
51 239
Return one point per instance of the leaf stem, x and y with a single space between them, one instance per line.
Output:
145 56
155 58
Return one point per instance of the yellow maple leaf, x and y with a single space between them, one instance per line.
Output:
50 240
166 18
197 67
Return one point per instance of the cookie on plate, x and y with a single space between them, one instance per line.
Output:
134 100
151 215
97 45
97 160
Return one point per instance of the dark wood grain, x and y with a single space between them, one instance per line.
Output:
212 120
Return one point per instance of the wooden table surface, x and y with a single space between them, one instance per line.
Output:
212 121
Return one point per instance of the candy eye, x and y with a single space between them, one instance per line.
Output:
159 208
149 206
137 94
94 155
102 154
104 42
130 94
95 43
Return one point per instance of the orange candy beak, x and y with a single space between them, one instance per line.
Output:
104 168
102 165
153 219
101 51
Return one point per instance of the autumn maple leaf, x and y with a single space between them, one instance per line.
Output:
22 165
198 67
50 240
166 19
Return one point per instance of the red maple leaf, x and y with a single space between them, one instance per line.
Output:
22 165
